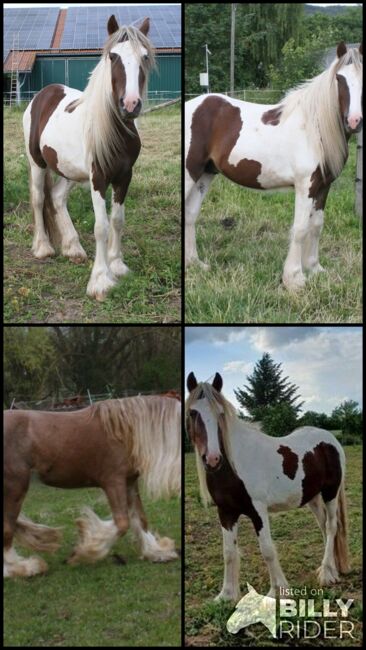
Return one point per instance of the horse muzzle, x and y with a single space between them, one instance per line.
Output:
130 109
353 125
212 462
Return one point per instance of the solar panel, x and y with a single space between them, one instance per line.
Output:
86 27
35 27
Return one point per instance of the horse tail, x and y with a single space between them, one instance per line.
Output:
36 536
49 211
340 542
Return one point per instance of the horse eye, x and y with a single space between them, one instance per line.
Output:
145 57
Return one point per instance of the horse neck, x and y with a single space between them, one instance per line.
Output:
319 105
107 136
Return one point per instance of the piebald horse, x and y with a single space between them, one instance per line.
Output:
89 136
245 472
110 445
300 143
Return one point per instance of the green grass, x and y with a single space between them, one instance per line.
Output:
105 604
54 290
244 236
300 549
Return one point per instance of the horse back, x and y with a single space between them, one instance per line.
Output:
65 449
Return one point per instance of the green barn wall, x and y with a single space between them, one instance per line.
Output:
75 71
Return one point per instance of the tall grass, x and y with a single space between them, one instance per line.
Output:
54 290
102 605
244 235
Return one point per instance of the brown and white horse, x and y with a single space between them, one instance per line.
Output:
301 143
108 445
89 136
245 472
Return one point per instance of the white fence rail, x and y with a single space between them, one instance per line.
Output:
153 98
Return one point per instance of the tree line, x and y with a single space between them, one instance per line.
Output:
274 401
57 361
277 45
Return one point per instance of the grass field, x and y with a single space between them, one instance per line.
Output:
53 290
244 236
106 604
300 549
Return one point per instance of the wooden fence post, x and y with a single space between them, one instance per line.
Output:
358 199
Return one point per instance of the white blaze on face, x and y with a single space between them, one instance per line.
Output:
209 419
132 70
354 83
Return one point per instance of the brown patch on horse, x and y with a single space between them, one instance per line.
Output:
323 473
290 461
118 74
231 497
197 430
272 116
43 105
121 173
319 188
50 156
71 107
216 127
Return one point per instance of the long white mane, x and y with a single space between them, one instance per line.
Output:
217 402
318 100
150 429
103 118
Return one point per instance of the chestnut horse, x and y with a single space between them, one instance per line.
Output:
89 136
108 445
301 143
245 472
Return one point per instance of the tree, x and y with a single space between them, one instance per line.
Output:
314 419
28 363
261 31
279 420
348 417
266 389
59 360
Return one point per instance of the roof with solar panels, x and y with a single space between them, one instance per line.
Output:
33 30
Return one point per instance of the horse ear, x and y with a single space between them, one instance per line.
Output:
145 26
361 48
191 382
341 49
217 382
112 25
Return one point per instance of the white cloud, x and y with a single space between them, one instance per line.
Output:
242 367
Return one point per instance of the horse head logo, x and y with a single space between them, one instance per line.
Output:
253 608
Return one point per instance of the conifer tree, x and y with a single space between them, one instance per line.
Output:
268 388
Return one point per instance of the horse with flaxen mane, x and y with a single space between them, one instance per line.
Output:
89 136
109 445
245 472
301 143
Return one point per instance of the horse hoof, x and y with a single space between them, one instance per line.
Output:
99 287
43 250
118 268
294 283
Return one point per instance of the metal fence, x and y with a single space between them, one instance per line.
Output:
256 95
153 98
74 402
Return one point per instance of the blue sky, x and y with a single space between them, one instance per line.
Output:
324 362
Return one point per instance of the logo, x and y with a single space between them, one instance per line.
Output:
255 608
